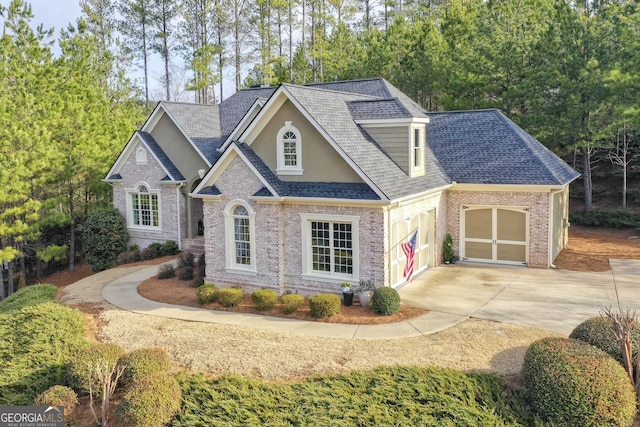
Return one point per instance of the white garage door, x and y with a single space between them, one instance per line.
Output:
495 234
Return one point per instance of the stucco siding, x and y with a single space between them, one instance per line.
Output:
537 202
133 174
320 162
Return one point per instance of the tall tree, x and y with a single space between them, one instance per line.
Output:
163 16
135 27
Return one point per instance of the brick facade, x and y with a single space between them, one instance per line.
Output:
151 174
537 202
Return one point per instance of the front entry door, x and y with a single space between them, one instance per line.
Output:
495 234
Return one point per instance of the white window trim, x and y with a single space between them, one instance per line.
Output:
129 206
229 232
417 168
307 254
283 169
141 156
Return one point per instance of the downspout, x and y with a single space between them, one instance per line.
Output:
550 232
179 214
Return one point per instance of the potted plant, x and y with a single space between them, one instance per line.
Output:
347 293
447 249
364 291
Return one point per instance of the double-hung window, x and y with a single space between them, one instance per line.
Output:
240 237
330 246
145 210
289 146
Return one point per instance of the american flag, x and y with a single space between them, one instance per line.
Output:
409 249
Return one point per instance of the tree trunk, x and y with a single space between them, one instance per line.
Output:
11 286
586 178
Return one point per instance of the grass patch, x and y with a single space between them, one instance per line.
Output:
38 338
389 396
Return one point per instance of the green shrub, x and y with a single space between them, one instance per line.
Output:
291 303
81 366
324 305
37 342
128 257
197 282
598 332
615 218
105 236
166 271
230 297
143 362
186 259
31 295
151 401
154 250
186 273
264 299
207 293
385 301
170 248
59 395
201 260
572 383
134 247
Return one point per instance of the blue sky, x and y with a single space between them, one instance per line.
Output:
54 13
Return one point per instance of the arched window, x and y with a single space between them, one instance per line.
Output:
145 211
240 236
289 145
141 156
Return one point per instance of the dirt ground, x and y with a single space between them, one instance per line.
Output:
216 349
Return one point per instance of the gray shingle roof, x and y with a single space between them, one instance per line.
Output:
233 109
485 147
378 109
174 173
201 123
331 111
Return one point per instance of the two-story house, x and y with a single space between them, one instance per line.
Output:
298 188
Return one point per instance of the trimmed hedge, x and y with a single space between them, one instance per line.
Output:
170 247
38 338
143 362
572 383
264 299
324 305
385 301
598 332
616 218
105 236
150 401
58 395
291 303
98 353
207 293
230 297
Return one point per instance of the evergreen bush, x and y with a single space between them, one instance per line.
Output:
154 250
186 273
385 301
143 362
598 332
105 236
170 247
207 293
615 218
81 366
324 305
186 259
58 395
264 299
197 282
572 383
230 297
150 401
166 271
291 303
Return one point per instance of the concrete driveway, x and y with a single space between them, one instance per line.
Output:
556 300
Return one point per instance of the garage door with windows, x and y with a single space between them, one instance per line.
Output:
498 234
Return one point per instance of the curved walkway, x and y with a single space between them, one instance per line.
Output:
123 293
555 300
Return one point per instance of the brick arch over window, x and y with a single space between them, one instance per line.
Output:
289 146
240 236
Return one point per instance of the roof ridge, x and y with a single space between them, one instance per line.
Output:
341 92
479 110
191 104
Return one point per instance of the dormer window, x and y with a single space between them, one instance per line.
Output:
418 142
289 146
